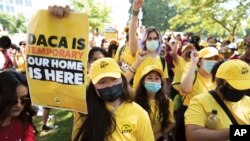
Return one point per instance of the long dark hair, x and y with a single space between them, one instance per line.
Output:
9 81
161 101
100 122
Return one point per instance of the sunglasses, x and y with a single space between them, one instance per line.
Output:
24 101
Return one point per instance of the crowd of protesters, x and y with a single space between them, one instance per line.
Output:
154 86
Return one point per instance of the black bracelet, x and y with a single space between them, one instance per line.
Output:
130 69
135 13
133 68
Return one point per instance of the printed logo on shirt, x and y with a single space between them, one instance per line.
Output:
126 128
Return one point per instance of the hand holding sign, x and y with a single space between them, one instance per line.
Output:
59 11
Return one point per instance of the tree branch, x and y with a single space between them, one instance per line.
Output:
219 22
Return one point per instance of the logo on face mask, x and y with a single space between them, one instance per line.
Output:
152 45
152 87
111 94
208 65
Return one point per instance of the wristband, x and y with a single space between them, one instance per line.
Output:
135 13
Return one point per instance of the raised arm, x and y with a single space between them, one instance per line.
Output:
133 42
187 82
174 50
140 57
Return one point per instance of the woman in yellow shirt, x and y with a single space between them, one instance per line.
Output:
151 97
112 115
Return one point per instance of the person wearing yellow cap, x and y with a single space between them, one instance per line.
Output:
181 63
151 97
195 80
232 84
112 115
94 54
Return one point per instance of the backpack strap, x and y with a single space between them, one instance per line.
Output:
121 50
163 63
223 106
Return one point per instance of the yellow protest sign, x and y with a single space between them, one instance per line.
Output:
57 60
110 32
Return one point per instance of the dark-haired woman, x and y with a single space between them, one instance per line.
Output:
151 97
15 108
94 54
112 116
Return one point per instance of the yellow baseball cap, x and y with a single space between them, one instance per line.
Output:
209 52
187 46
152 68
236 73
203 43
104 67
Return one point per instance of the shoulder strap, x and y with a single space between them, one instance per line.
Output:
224 107
163 63
121 50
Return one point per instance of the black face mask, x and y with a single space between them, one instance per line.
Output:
111 94
232 94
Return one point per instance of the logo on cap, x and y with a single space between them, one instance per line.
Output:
244 70
103 64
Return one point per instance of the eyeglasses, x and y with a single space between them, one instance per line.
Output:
24 101
152 38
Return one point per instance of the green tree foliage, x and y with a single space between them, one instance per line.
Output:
157 13
13 24
211 16
98 14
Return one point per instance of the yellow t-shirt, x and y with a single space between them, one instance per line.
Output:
77 123
124 58
21 63
200 85
202 105
154 115
181 66
132 123
148 61
78 119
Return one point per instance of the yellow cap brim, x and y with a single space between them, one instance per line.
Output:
211 55
239 84
109 74
186 47
154 69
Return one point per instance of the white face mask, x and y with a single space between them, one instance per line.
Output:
152 45
208 65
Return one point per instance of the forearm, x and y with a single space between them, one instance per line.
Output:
187 83
133 43
205 134
131 72
166 130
